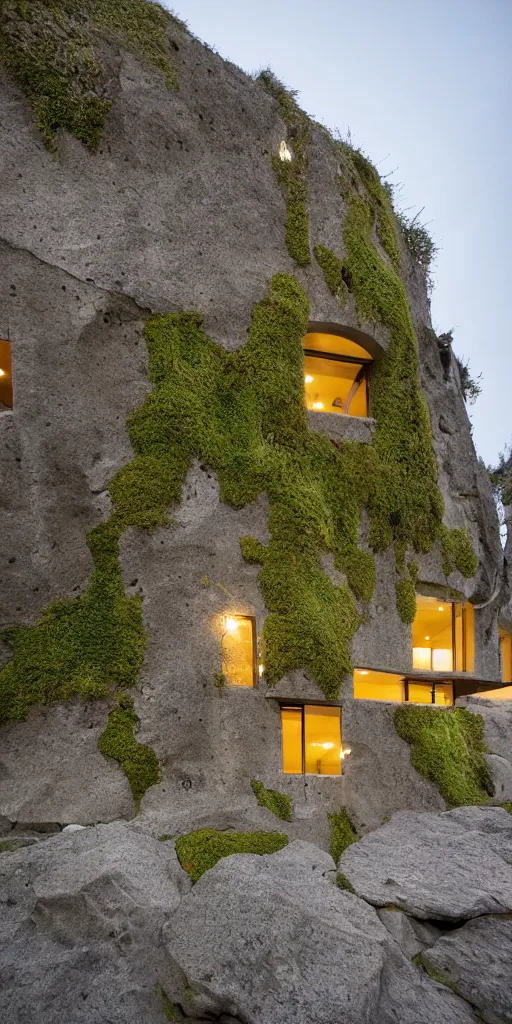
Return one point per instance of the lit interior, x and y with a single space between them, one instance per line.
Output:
238 650
369 685
332 385
5 374
320 745
505 656
432 635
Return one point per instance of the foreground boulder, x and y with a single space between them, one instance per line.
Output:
272 940
80 928
453 865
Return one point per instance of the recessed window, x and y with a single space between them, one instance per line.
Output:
443 636
370 685
311 737
239 662
336 375
5 374
505 655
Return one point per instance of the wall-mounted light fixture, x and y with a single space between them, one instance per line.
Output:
284 153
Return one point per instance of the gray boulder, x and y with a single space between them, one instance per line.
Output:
412 936
80 932
271 940
501 770
477 960
452 865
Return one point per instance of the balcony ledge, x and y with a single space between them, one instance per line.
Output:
342 428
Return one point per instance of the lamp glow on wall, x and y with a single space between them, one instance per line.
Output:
436 659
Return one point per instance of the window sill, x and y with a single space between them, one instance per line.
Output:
342 428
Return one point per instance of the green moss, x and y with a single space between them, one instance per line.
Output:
252 550
457 552
279 803
343 883
292 175
138 762
383 209
434 973
199 851
219 680
332 268
49 48
141 27
343 833
84 646
406 599
359 568
507 805
11 845
172 1012
448 749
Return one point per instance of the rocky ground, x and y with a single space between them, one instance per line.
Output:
102 925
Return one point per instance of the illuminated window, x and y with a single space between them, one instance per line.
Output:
5 374
239 650
505 655
312 740
370 685
443 636
336 375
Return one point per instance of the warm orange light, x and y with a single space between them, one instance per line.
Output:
440 608
363 671
318 405
427 638
308 378
2 373
231 625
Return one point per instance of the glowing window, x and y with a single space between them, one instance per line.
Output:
239 650
430 693
370 685
443 636
5 374
505 655
311 738
336 375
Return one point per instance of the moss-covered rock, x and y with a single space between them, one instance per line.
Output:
343 833
279 803
199 851
448 748
138 762
332 270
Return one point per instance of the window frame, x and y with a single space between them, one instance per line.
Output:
464 636
361 361
301 705
254 634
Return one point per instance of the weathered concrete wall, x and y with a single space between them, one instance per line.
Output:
180 209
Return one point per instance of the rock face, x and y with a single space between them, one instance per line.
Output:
450 866
180 209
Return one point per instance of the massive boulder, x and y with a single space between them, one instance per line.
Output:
449 866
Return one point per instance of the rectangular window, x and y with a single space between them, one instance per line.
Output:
369 685
239 662
333 385
505 655
311 738
443 636
429 693
5 374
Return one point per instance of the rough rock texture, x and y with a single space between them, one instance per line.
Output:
80 927
178 209
412 936
477 960
273 941
450 866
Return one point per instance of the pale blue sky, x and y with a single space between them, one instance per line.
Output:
425 88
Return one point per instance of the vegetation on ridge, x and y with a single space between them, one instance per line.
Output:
343 833
199 851
279 803
138 762
49 46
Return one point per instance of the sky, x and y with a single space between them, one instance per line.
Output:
424 86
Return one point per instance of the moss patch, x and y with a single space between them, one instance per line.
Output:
49 46
172 1012
343 883
11 845
199 851
279 803
457 552
332 268
139 763
292 175
448 749
343 833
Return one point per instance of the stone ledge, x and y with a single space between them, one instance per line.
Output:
342 428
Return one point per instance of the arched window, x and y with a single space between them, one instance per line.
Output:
5 375
336 374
